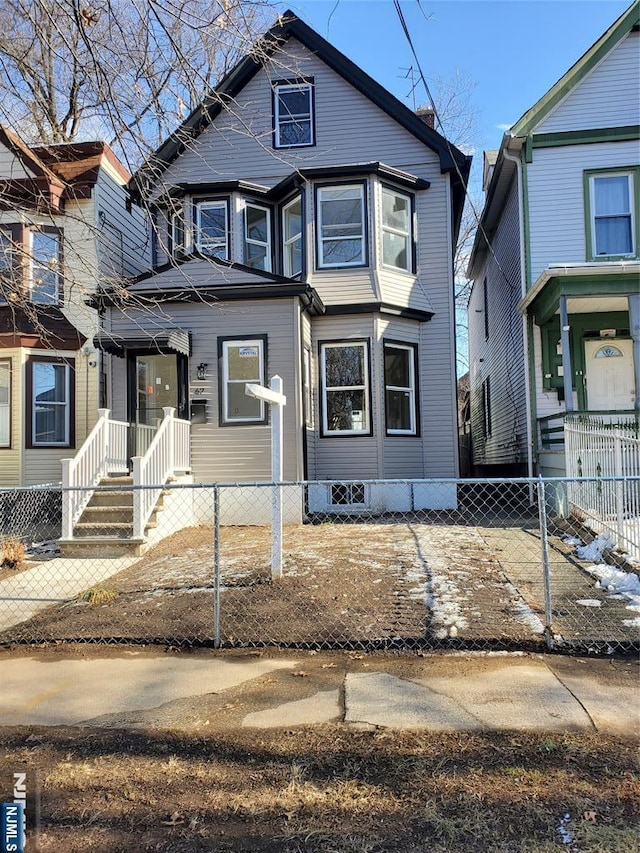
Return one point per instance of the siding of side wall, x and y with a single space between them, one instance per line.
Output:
11 457
114 221
231 453
500 356
556 198
607 97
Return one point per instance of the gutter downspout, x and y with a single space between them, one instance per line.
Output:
523 289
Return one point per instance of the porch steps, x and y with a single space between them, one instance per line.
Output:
105 528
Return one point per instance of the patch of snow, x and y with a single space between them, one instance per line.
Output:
593 552
619 584
589 602
566 836
572 540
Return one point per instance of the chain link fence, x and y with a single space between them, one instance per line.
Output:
469 564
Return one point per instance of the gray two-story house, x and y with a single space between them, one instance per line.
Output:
304 226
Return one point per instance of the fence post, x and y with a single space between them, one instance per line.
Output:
216 567
546 570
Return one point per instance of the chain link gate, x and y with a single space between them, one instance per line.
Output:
471 564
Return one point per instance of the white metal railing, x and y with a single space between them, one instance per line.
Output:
168 452
104 451
599 449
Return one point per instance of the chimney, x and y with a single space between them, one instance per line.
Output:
427 115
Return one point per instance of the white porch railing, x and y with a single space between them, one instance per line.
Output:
167 453
608 454
103 452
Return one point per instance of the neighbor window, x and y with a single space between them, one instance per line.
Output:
341 226
396 230
292 237
293 114
7 281
212 228
45 266
400 389
345 388
242 363
257 230
612 229
51 386
5 403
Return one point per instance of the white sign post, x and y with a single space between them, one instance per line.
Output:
276 399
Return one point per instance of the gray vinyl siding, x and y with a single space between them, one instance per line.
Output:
10 166
607 97
500 357
556 198
232 453
115 223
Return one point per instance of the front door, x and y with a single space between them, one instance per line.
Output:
610 378
155 381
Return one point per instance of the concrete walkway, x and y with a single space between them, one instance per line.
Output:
477 691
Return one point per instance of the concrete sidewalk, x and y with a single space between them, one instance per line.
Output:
129 687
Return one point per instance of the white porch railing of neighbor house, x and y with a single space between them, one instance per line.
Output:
167 453
104 452
598 448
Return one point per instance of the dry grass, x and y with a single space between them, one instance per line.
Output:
331 790
12 554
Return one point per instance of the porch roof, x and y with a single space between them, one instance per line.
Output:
173 340
619 278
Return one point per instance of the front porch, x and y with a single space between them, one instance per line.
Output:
112 489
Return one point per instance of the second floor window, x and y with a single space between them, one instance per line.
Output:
293 114
292 237
212 228
612 215
396 230
45 267
341 226
257 230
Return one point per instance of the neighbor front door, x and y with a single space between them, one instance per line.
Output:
610 379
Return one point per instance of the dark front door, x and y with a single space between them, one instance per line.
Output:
156 380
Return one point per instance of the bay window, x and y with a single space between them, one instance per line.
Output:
345 388
257 230
5 403
341 216
212 228
400 388
396 230
292 237
50 386
241 362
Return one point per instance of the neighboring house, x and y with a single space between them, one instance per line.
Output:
65 230
305 222
554 315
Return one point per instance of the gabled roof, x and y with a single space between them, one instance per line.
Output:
288 26
616 32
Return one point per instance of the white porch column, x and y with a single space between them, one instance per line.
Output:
634 325
567 369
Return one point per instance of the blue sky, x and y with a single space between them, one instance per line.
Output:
512 50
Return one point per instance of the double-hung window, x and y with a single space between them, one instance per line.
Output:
51 403
400 388
397 247
45 266
177 231
612 227
5 403
292 237
257 237
241 362
212 228
341 229
345 388
293 123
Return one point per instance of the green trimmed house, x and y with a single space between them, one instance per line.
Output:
554 314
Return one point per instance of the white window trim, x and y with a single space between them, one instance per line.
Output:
5 408
307 391
411 389
205 248
253 242
287 244
54 265
408 235
631 213
362 236
366 430
257 342
289 118
67 404
178 226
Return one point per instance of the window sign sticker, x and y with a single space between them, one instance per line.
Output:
248 352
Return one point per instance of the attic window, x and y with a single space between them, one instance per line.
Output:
293 114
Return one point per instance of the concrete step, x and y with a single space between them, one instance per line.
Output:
102 546
112 530
106 499
110 514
